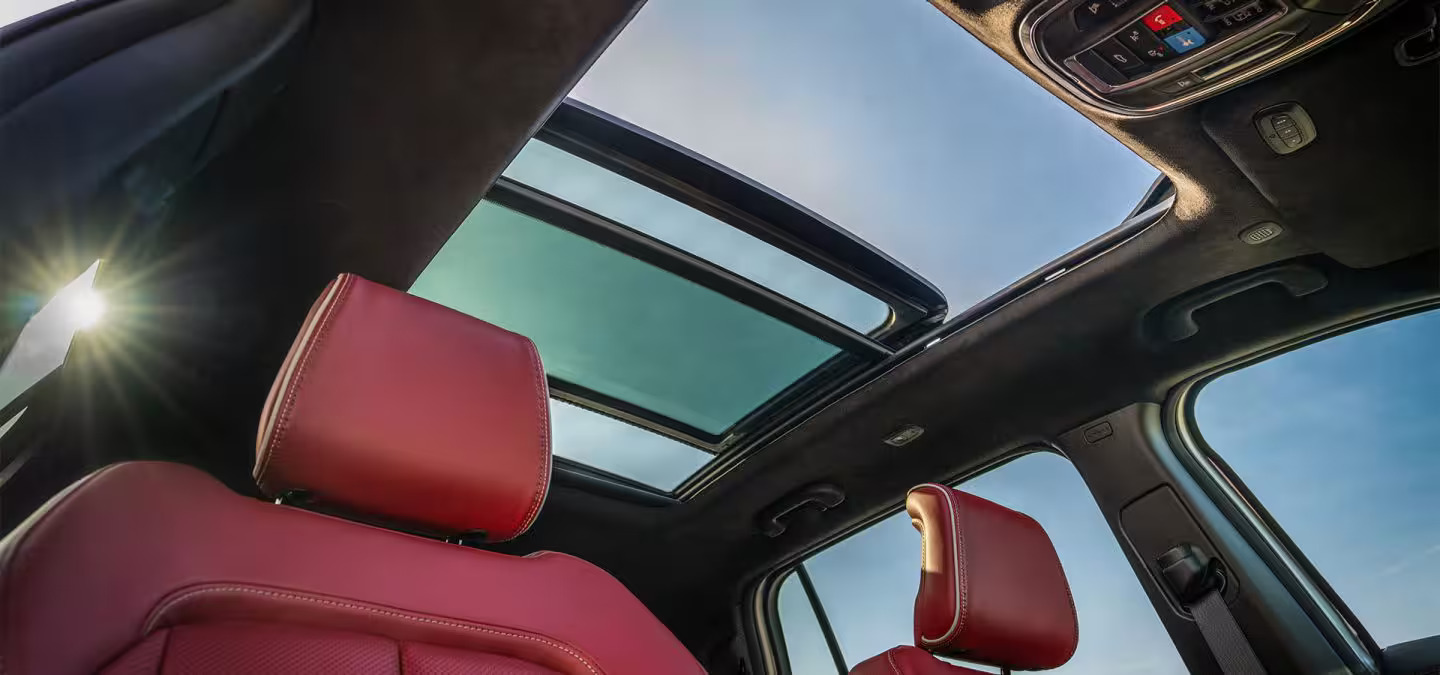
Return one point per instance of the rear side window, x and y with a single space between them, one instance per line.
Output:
865 585
1340 441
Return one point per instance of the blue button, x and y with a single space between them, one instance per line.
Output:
1185 40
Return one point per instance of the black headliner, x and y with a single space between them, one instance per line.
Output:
399 114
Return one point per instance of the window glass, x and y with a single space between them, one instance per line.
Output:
613 324
5 428
1340 441
12 11
804 639
45 338
885 117
561 174
622 448
867 582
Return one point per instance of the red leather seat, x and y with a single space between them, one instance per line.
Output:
991 591
388 406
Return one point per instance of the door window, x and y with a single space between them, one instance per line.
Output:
866 583
1340 441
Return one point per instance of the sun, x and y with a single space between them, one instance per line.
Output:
85 308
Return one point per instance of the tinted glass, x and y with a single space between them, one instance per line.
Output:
1340 441
620 199
616 325
867 583
621 448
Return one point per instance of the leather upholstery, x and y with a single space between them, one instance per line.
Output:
243 648
142 547
388 405
991 590
394 406
907 660
991 587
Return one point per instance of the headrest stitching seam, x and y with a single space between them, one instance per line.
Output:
542 410
963 572
292 395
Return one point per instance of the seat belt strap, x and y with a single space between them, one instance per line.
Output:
1227 643
1198 582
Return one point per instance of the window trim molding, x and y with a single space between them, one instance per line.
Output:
1225 488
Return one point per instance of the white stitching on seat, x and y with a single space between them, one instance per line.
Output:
961 581
159 613
281 421
890 656
1070 597
542 484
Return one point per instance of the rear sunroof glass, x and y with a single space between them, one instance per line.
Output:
617 325
575 180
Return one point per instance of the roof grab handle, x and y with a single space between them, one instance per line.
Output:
774 520
1175 320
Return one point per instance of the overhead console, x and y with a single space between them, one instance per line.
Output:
1144 57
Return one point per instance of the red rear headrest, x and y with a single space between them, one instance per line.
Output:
394 406
991 586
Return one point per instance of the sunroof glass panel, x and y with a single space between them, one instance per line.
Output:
621 448
616 325
575 180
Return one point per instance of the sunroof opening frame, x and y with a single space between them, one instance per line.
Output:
856 350
706 186
915 305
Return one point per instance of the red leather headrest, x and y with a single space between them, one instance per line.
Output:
394 406
991 586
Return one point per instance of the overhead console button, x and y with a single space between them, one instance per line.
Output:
1091 13
1143 42
1118 56
1180 84
1216 7
1185 40
1099 67
1162 18
1244 16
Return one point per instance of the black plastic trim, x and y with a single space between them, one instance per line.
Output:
705 185
598 481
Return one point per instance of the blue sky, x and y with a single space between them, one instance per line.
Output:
1340 441
881 115
891 121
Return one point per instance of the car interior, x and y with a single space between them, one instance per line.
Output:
366 265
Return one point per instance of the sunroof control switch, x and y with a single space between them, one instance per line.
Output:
1285 127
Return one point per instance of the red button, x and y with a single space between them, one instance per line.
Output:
1162 17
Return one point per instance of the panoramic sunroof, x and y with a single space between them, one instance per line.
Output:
667 332
617 326
584 184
